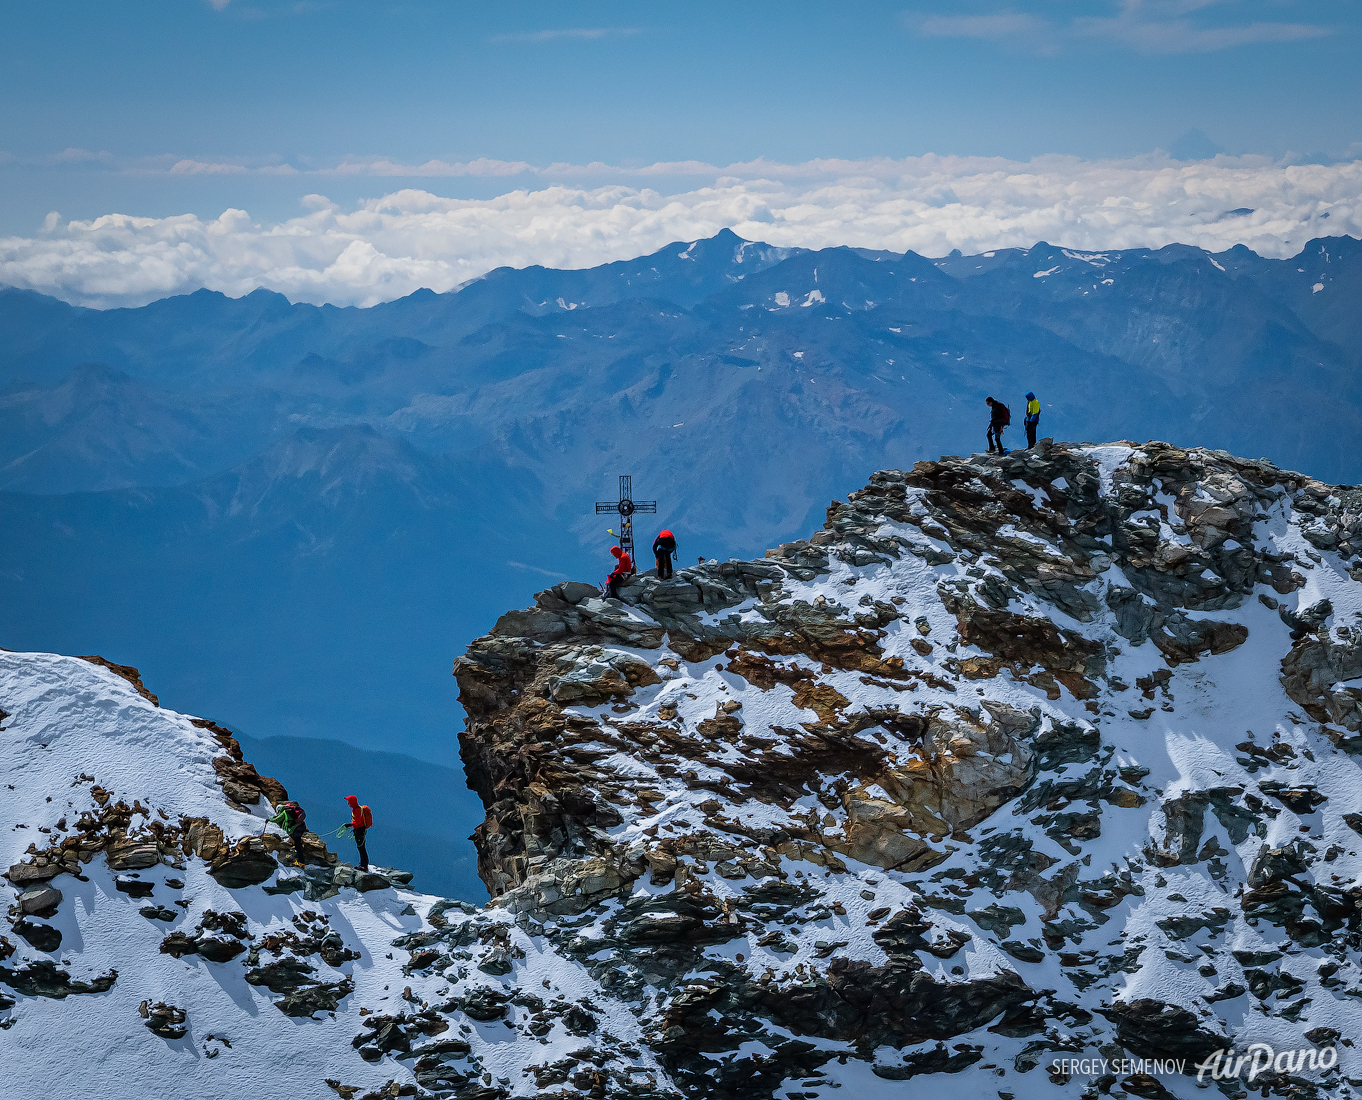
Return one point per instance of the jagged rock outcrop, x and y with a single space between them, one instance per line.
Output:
964 715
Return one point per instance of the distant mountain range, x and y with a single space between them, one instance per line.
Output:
292 517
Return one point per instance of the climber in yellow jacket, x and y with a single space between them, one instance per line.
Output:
1032 418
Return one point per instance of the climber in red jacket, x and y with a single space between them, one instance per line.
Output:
361 818
623 567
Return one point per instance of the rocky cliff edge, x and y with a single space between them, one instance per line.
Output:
1018 759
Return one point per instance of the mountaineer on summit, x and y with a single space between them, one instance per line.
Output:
1032 418
664 549
624 565
1001 417
361 818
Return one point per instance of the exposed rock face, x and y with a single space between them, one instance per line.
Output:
954 717
1016 760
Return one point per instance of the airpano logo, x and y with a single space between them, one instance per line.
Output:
1223 1065
1260 1058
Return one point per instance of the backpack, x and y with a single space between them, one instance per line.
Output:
296 813
1007 414
366 815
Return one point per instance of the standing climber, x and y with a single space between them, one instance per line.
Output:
293 821
664 549
1001 417
361 818
624 565
1032 418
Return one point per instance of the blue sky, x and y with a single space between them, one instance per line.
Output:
161 108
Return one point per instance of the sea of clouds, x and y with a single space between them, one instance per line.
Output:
410 238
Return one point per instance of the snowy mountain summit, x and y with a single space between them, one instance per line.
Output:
1025 776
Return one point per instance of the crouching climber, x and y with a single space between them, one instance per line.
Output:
361 820
293 821
664 549
624 566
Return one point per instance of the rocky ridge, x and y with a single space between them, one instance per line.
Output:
1025 757
1017 759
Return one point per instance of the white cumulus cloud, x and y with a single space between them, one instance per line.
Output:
391 246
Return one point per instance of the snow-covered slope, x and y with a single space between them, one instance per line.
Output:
177 959
1020 769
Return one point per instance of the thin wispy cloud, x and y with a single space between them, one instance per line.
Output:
581 34
1142 26
1000 25
390 246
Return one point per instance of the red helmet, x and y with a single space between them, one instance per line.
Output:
665 535
617 551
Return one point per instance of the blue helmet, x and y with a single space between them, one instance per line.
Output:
1030 396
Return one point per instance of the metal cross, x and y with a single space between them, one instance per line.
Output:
625 507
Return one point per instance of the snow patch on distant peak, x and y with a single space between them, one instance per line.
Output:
1097 259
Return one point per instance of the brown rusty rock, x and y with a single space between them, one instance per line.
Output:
128 673
134 853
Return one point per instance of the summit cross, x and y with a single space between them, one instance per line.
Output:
625 508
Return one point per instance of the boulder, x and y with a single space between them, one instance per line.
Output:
21 874
202 838
42 937
248 865
241 793
1151 1028
135 888
218 949
134 853
39 900
322 997
163 1019
43 979
179 944
287 975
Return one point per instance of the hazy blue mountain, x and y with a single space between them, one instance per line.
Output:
293 517
320 588
98 428
1322 286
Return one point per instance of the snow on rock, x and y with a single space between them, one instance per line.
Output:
158 949
1020 758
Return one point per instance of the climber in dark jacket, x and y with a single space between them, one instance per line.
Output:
999 419
664 549
623 567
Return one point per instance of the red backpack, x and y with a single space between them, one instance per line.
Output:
1007 413
366 815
